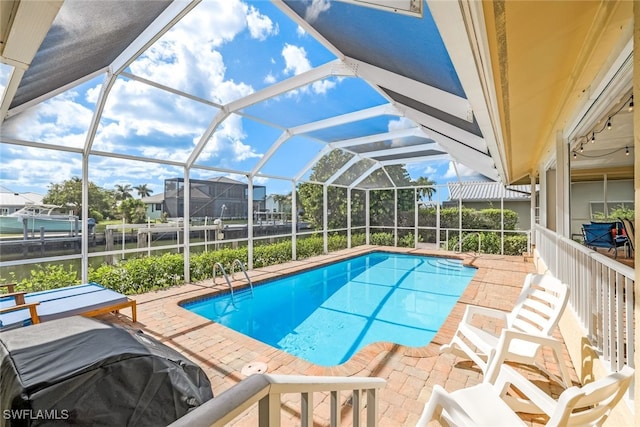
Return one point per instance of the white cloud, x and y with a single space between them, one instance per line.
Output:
315 9
295 58
226 144
301 32
270 78
60 120
429 170
400 123
260 26
463 171
296 62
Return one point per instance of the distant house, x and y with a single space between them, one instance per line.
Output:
11 201
213 198
155 206
483 195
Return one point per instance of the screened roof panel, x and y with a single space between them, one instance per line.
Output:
63 120
374 180
77 45
216 84
421 153
354 172
328 165
142 120
469 126
303 150
237 144
319 100
387 144
356 129
406 45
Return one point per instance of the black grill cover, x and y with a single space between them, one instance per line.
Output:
82 371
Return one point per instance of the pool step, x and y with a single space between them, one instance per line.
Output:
447 264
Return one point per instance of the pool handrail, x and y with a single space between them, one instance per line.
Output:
224 274
233 264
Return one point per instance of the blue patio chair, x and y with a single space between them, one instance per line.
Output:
600 235
21 309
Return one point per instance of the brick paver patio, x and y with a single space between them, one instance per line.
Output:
410 372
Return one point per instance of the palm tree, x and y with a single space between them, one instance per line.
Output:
143 190
427 189
123 192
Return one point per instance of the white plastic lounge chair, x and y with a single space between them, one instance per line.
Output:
21 309
484 404
527 329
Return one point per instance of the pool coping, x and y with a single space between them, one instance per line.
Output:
244 286
377 347
366 359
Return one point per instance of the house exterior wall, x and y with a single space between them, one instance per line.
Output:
154 211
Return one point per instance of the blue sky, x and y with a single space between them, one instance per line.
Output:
220 52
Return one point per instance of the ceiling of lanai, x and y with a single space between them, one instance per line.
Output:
485 84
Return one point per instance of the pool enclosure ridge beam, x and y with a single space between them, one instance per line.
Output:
219 118
428 95
365 175
325 150
343 169
30 26
284 137
105 88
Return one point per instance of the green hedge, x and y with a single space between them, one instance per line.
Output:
139 275
514 244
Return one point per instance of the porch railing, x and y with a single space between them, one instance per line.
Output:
266 392
601 294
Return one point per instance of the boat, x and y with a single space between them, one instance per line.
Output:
37 216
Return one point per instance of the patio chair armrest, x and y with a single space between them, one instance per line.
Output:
508 377
441 400
17 296
473 310
33 312
11 287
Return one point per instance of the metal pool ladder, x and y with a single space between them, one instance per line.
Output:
233 265
224 274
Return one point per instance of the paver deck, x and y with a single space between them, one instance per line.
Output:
410 372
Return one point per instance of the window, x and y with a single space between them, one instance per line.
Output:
597 208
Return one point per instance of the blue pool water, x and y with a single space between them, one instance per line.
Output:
327 314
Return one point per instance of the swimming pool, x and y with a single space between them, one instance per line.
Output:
325 315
